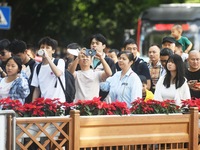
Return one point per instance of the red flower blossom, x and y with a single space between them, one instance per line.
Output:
186 104
154 107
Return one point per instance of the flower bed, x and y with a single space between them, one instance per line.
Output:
114 131
53 107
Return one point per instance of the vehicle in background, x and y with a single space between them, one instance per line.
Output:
156 23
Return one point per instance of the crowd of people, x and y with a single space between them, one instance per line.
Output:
173 70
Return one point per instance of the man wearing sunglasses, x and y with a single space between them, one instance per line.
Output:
4 55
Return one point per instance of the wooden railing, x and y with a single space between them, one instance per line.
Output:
43 133
142 132
134 132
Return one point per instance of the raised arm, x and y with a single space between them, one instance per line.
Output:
107 71
72 67
53 67
188 48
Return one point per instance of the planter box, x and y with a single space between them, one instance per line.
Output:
159 131
132 132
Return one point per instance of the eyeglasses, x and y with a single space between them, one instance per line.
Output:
2 53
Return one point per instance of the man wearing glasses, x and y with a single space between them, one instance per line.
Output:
4 55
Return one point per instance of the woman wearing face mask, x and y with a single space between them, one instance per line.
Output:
125 85
14 86
173 86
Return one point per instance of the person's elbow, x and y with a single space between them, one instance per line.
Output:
59 73
109 73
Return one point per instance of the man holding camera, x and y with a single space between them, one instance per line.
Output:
87 80
98 43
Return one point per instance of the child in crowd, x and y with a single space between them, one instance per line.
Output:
176 32
13 85
179 51
146 94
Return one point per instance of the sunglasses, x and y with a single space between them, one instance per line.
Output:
2 53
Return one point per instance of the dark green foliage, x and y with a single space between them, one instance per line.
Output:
74 20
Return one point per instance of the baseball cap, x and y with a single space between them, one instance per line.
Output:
168 39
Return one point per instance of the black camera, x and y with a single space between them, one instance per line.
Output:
90 52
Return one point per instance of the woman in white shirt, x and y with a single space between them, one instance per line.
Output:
124 85
173 85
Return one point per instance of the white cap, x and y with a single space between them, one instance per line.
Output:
74 52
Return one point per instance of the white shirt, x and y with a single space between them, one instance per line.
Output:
4 88
87 84
46 81
171 93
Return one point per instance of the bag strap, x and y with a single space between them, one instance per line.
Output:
38 68
56 63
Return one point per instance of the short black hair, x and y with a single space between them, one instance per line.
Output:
129 41
116 51
4 44
48 41
166 52
17 46
179 45
17 60
99 37
128 54
143 79
74 46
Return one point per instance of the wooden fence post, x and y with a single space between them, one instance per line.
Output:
194 128
75 115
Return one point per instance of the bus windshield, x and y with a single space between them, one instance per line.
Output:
156 23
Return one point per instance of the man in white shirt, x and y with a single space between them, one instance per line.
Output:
46 82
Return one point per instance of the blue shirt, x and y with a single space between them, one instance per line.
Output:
125 89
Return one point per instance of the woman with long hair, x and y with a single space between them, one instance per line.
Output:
173 85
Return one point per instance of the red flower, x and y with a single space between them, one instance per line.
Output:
195 102
153 107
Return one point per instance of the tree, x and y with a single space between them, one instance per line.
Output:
74 20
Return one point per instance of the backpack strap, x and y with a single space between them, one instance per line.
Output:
56 63
38 68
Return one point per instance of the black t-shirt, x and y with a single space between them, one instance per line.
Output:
140 68
193 76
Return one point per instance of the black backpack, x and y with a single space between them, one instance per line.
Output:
69 83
